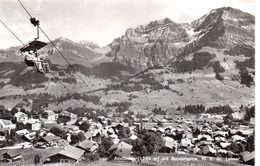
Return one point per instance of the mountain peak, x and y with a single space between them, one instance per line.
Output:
89 44
63 39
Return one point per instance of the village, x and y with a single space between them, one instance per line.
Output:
81 139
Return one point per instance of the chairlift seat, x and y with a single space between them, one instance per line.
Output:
34 46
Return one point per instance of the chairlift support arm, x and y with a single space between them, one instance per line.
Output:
37 24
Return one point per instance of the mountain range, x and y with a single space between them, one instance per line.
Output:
209 61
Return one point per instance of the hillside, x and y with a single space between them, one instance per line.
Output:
210 61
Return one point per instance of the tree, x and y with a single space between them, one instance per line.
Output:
123 132
234 147
20 126
160 124
23 110
246 78
228 118
14 110
37 135
219 77
37 159
81 136
13 135
104 146
85 126
152 142
74 139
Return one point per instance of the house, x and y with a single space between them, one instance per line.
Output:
120 149
185 142
29 137
206 116
248 157
21 117
13 155
22 132
49 115
34 124
88 145
238 138
133 137
50 140
169 145
6 124
208 151
69 154
102 119
66 116
114 138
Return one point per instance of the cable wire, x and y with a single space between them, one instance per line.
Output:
14 19
63 56
11 31
66 87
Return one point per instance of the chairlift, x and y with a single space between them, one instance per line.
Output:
31 54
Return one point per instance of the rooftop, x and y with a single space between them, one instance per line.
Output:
72 152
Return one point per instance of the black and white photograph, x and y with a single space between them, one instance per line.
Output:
128 82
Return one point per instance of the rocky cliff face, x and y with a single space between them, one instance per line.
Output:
164 41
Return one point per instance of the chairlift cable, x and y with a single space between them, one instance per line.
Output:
14 19
50 72
66 87
11 31
63 56
25 9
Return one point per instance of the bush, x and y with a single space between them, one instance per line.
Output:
94 157
219 77
37 159
246 78
217 68
85 126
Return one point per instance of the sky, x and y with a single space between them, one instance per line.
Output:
99 21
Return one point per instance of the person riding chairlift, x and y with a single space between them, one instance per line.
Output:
31 59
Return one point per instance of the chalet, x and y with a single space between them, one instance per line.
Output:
114 138
6 124
238 138
30 136
224 145
169 145
185 142
50 140
208 151
102 119
205 137
66 116
120 149
88 145
34 124
206 116
69 154
133 137
246 132
248 157
13 155
22 132
88 135
49 115
21 117
188 135
196 150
